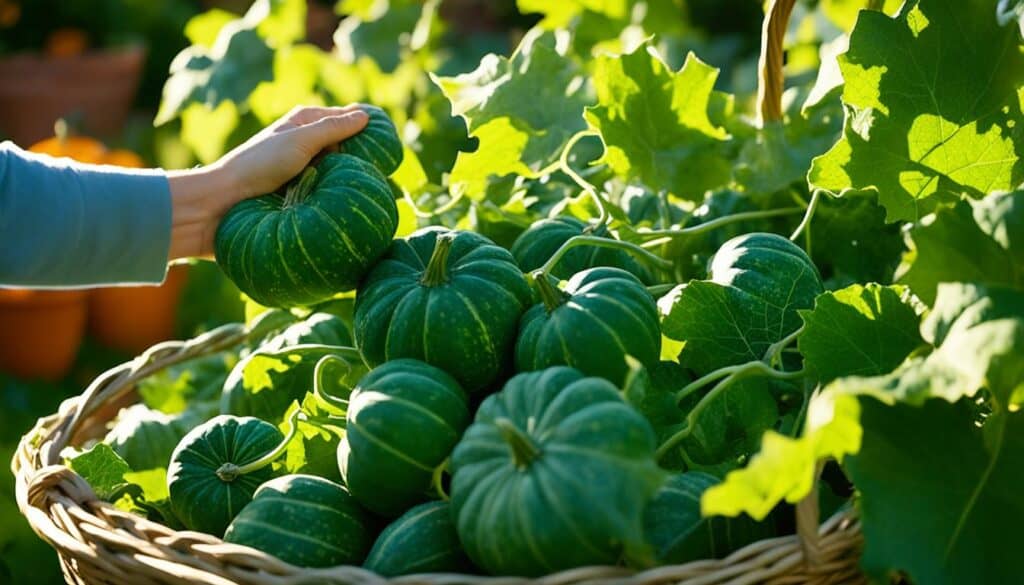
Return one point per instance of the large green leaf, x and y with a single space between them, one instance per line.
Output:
939 496
975 242
858 331
522 110
655 123
934 100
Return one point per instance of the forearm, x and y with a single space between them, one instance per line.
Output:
64 224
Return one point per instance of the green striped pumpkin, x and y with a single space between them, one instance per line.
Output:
448 298
378 143
538 243
603 315
305 521
145 438
678 533
403 419
423 540
202 496
318 239
554 473
318 328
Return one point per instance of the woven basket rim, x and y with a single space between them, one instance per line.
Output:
96 541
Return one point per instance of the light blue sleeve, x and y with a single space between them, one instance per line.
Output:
66 225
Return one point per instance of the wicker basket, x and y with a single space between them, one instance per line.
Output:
98 543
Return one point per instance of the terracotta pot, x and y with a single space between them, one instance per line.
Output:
40 332
135 317
36 90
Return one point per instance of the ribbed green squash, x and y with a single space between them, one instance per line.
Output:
423 540
602 315
448 298
538 243
318 328
205 492
378 143
554 473
265 382
145 438
674 528
304 520
403 419
772 269
318 239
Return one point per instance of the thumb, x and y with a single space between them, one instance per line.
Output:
331 130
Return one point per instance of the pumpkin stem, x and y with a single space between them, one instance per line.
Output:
552 296
524 450
437 268
228 472
299 190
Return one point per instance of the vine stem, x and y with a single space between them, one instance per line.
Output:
812 206
737 374
229 471
588 188
634 249
721 221
659 289
435 479
318 376
455 200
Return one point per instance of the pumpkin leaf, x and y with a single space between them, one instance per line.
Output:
517 135
969 242
103 469
907 447
858 331
930 115
314 448
655 123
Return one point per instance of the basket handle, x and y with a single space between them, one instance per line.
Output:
770 77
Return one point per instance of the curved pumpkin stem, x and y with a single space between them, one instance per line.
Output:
552 296
436 272
524 451
298 191
230 471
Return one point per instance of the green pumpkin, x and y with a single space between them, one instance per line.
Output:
205 488
317 240
403 420
769 268
423 540
378 143
677 532
603 315
145 438
448 298
538 243
554 473
318 328
305 521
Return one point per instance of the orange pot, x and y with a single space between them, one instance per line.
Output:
40 332
133 318
36 90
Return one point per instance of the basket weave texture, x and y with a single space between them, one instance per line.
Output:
98 543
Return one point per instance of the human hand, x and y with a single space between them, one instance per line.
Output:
200 197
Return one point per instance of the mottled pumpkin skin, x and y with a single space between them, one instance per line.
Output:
607 314
378 143
465 325
145 438
542 239
403 420
199 498
318 328
423 540
771 268
306 252
305 521
576 499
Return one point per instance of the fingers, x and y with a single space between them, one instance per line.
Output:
330 130
303 115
